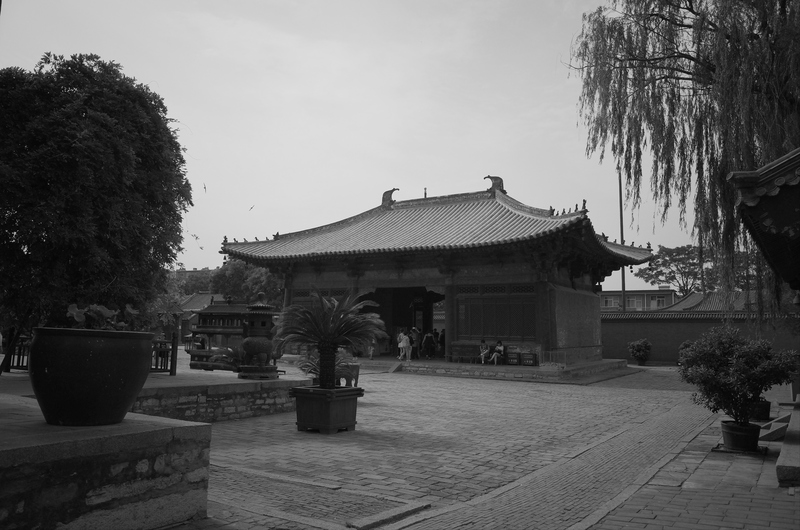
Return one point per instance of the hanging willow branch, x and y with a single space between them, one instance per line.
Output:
698 87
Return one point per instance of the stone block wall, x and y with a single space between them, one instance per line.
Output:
574 322
144 473
212 403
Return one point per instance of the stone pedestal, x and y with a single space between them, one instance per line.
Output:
146 472
258 372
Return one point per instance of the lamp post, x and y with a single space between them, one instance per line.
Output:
622 240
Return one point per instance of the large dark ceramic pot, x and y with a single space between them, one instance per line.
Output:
88 377
738 437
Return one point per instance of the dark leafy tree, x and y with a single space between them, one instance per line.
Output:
697 88
679 267
196 282
242 281
326 325
93 190
687 270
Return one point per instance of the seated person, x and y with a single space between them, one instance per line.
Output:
499 351
484 351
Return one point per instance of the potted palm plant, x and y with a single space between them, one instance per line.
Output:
326 325
90 374
731 373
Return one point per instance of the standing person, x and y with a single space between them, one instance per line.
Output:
404 344
400 343
428 345
442 344
415 343
436 339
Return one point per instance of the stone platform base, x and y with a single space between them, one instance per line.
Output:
144 473
788 465
552 373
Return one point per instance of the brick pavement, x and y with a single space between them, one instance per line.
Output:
704 489
430 452
476 453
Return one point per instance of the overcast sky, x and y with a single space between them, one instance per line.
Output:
296 114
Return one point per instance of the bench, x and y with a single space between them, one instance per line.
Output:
516 354
351 378
465 352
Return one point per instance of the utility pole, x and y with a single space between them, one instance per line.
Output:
622 240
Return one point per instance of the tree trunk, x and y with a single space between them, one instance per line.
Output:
327 365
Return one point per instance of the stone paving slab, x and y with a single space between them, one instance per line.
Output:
299 500
703 489
465 446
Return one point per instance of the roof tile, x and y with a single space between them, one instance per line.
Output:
449 222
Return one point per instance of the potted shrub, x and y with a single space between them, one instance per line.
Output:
731 373
91 374
327 325
640 350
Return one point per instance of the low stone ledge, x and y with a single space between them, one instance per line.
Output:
146 472
514 372
787 468
219 402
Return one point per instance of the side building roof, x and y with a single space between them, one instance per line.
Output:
451 222
714 301
769 202
197 301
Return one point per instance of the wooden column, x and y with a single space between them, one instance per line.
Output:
449 318
287 290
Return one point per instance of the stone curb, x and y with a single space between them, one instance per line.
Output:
388 516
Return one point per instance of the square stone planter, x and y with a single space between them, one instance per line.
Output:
326 410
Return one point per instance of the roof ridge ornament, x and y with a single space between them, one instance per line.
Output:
387 200
497 184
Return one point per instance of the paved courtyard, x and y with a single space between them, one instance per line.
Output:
439 453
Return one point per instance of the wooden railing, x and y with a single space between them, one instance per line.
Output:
165 356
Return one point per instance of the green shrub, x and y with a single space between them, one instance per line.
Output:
732 372
640 349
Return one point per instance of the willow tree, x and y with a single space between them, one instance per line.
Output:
695 89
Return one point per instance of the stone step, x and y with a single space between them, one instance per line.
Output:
775 430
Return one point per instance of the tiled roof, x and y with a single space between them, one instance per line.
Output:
197 301
736 301
713 301
685 303
769 202
451 222
224 308
678 315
